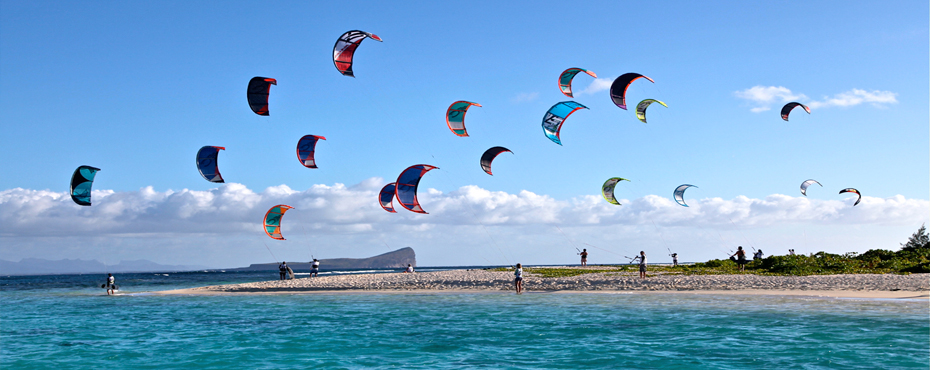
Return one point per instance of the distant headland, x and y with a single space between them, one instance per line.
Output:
396 259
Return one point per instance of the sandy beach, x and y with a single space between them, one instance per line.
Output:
840 286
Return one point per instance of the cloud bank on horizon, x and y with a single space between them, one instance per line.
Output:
766 96
235 209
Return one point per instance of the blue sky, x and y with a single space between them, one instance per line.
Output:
136 88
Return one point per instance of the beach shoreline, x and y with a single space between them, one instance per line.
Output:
872 286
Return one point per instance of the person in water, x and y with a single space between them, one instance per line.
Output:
518 278
740 258
642 264
758 255
314 267
111 284
282 269
409 269
584 257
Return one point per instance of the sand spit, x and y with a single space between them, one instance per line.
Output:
857 285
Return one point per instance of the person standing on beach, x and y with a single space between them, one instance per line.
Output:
314 267
584 257
740 258
518 278
111 284
674 259
642 264
282 269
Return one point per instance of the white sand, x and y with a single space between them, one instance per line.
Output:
850 286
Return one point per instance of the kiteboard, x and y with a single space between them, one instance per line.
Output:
290 272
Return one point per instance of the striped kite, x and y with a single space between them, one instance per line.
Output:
565 79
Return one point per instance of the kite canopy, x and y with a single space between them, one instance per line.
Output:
489 156
272 221
455 116
306 146
641 108
807 183
565 79
345 47
788 107
618 88
258 90
680 193
851 190
206 163
608 189
387 197
406 186
552 121
81 182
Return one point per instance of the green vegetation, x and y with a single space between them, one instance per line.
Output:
914 256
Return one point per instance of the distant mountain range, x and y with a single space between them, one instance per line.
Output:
38 266
396 259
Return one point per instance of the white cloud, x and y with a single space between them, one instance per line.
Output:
769 94
222 226
856 97
525 97
765 96
596 86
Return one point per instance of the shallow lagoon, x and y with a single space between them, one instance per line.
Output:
78 327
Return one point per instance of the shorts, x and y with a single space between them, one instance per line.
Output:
741 261
313 271
517 280
642 268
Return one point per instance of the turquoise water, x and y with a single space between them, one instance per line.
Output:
74 326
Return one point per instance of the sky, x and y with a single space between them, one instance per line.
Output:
136 88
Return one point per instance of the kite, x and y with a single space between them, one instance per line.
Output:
387 197
306 146
565 80
608 189
406 186
489 156
680 194
345 49
851 190
206 163
788 107
272 221
641 108
455 116
258 90
81 182
552 121
807 183
618 88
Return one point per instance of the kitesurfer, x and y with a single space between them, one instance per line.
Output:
111 284
757 255
584 257
642 264
740 258
282 269
674 259
314 267
518 278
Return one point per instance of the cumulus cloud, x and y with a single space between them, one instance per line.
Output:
596 86
235 209
855 97
766 96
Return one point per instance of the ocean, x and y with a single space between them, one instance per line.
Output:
68 322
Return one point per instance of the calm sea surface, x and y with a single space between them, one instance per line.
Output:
68 322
